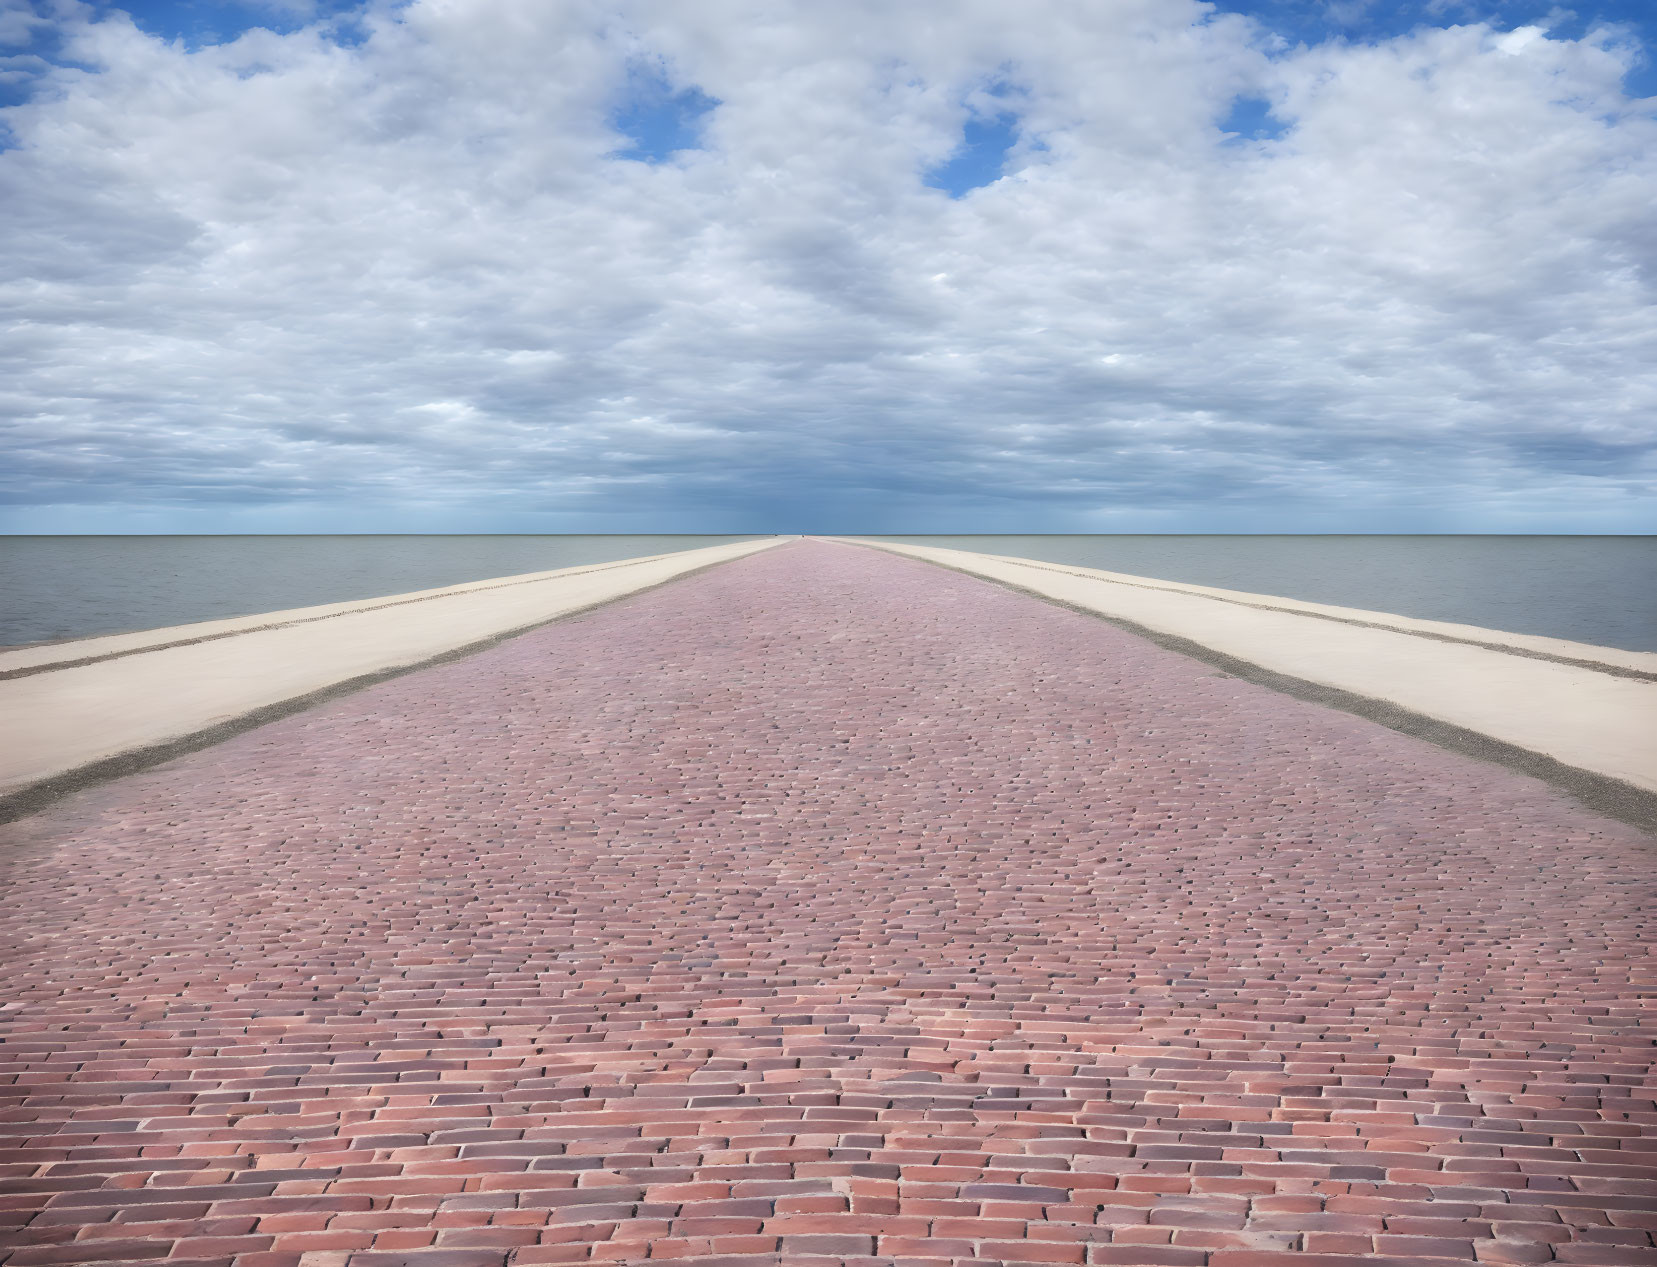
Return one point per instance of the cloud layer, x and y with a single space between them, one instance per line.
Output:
405 269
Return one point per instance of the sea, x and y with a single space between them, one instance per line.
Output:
53 588
1600 590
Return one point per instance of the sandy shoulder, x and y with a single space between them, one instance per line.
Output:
1571 701
161 685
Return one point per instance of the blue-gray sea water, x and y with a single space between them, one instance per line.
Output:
1601 590
75 587
1590 589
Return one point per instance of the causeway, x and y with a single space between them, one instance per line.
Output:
829 907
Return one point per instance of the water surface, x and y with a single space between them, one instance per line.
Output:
1589 589
1601 590
77 587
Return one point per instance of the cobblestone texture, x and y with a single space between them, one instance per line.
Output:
825 907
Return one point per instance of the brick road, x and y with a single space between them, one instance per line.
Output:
825 907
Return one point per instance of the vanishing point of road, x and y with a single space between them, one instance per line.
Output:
825 907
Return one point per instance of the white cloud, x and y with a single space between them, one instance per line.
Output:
412 274
1516 40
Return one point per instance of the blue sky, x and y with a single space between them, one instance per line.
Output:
1371 21
1141 265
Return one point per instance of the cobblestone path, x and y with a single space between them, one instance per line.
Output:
825 907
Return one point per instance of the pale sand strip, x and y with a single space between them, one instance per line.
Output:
147 689
1598 712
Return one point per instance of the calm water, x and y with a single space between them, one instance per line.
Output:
1591 589
74 587
1601 590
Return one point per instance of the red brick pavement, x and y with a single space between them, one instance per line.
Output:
825 906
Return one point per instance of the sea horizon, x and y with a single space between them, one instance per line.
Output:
1596 588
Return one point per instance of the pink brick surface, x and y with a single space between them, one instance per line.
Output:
825 907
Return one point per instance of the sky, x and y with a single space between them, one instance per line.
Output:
778 266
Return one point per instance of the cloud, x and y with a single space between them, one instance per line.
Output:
422 276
